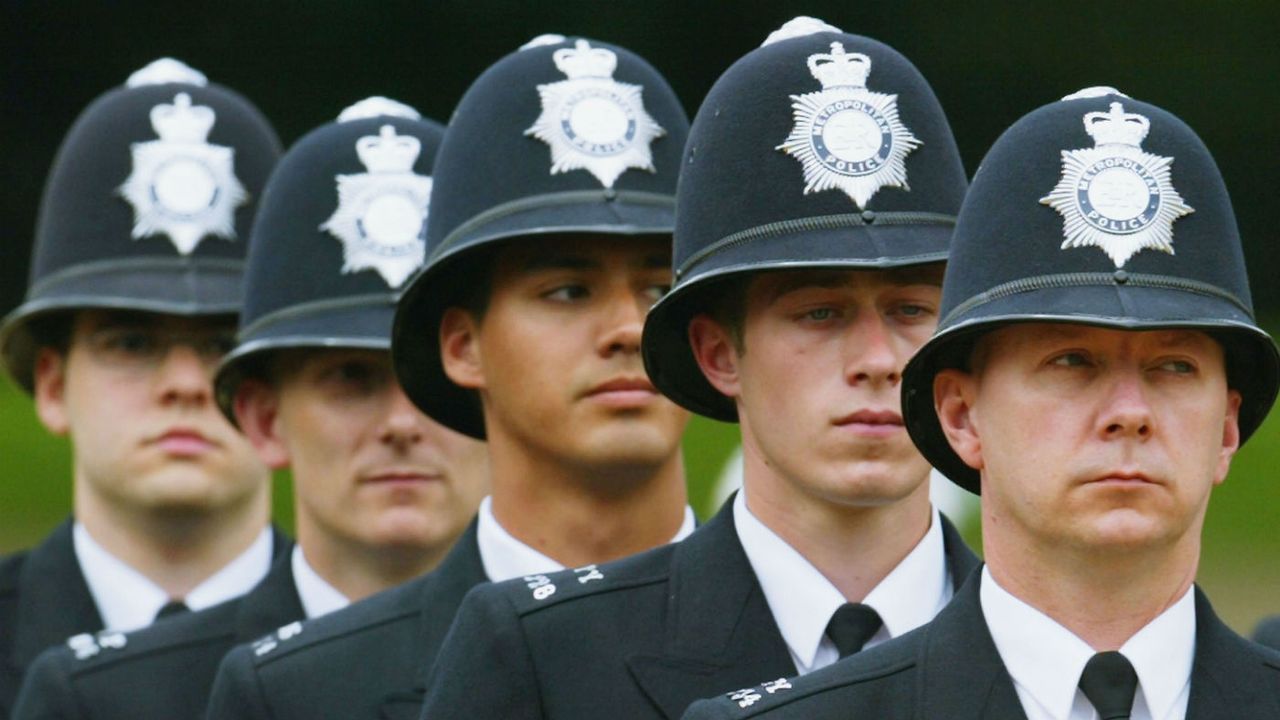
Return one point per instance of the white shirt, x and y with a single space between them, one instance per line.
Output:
317 595
1045 659
128 600
802 600
505 557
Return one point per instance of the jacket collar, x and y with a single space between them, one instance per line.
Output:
442 593
1231 677
438 595
274 602
962 675
721 634
54 601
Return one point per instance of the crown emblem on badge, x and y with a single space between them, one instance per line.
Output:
1115 196
388 152
584 61
1117 127
845 136
839 68
382 214
591 121
182 122
182 186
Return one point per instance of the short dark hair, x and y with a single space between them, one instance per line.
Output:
52 330
727 306
472 281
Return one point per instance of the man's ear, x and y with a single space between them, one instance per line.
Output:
460 349
257 410
953 397
716 352
50 380
1230 436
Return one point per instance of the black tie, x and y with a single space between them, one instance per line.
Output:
851 626
1109 682
171 608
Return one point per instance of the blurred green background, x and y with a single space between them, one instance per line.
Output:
1213 63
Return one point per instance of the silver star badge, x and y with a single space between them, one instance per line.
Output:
182 186
382 214
591 121
1115 196
846 136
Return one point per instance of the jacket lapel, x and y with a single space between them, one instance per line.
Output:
1230 677
962 675
720 635
273 603
461 570
442 593
55 602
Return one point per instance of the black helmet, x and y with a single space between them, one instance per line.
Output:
340 230
821 149
561 136
1100 210
147 207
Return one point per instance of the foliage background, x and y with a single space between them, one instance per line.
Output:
1215 64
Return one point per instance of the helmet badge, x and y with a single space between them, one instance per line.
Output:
381 215
846 136
182 186
1115 196
591 121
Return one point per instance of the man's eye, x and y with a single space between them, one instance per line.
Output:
353 372
820 314
658 291
1072 359
216 346
132 342
1182 367
567 293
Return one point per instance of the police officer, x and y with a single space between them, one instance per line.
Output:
549 237
1095 370
802 290
135 285
381 491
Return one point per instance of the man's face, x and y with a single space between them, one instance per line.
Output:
816 375
368 467
556 356
1093 438
134 393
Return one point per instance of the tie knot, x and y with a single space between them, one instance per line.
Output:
173 607
851 626
1109 681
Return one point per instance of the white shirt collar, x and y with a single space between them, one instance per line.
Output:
908 597
504 557
128 600
317 595
1045 659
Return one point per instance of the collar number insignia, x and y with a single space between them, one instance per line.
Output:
591 121
382 214
845 135
181 186
1115 196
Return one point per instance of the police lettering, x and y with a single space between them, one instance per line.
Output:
540 585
